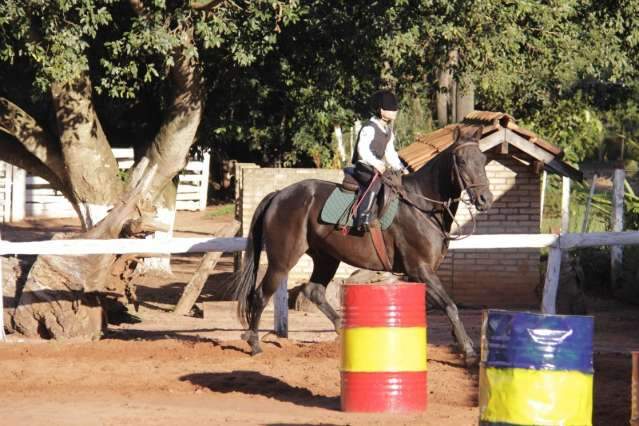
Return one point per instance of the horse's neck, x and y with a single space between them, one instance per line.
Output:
435 179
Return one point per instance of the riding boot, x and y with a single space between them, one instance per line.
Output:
362 220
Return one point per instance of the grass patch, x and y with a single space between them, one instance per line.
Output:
221 210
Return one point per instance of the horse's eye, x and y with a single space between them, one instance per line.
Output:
461 161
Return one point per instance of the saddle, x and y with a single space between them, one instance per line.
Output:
391 184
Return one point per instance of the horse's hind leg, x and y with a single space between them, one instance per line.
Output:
324 268
259 300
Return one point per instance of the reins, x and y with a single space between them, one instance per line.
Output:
446 204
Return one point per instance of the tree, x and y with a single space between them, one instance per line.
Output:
78 73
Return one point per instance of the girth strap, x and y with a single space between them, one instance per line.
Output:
380 248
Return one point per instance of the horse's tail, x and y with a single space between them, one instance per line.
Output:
244 282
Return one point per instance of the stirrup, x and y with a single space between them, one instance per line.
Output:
362 222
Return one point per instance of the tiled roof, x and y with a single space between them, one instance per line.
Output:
426 146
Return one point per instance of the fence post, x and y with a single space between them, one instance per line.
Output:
204 183
2 336
542 201
7 192
18 193
281 309
584 225
551 284
634 401
616 252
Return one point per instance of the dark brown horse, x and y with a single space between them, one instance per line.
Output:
287 223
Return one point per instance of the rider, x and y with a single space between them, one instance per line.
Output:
375 148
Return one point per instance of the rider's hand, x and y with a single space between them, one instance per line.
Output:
381 169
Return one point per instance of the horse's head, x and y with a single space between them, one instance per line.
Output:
469 168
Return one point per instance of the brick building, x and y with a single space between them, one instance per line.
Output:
499 278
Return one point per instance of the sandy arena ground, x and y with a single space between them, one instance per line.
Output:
189 370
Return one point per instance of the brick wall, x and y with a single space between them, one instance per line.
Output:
494 278
499 278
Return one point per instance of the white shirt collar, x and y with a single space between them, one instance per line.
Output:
380 124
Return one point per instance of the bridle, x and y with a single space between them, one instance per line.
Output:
446 204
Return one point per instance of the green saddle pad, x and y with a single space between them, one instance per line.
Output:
337 209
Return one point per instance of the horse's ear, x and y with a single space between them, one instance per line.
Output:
477 134
455 134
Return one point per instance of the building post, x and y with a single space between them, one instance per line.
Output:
565 204
616 252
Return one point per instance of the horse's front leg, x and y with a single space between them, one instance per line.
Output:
438 295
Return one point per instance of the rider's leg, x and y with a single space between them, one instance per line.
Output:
365 174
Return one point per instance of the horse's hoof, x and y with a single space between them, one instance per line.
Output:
256 351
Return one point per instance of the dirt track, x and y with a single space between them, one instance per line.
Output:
186 370
180 382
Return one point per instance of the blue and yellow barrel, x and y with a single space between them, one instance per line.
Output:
535 369
384 347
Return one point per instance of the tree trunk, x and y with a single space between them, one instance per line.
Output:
62 295
465 102
165 210
443 97
92 171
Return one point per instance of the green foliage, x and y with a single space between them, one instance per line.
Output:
280 74
124 50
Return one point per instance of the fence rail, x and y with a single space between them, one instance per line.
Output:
557 244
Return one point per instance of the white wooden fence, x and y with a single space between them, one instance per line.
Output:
39 199
557 243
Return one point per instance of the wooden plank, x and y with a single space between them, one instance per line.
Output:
195 285
593 239
2 335
126 153
504 241
195 166
616 252
6 210
35 194
542 201
634 392
188 205
125 164
204 183
551 284
18 194
492 140
191 178
528 147
188 196
36 180
80 247
565 204
281 309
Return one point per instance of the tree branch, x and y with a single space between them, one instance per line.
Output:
24 128
91 167
13 152
173 141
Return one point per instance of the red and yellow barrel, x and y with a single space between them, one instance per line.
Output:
384 347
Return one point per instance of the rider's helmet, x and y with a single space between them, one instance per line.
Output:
384 99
